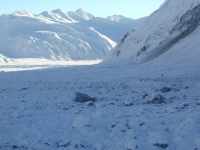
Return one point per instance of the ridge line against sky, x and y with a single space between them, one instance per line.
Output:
100 8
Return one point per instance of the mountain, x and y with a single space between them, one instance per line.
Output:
169 37
80 15
58 35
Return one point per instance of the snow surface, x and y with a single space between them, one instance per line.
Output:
38 110
35 64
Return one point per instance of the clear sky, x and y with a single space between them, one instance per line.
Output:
130 8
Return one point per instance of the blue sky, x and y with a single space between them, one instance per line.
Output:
130 8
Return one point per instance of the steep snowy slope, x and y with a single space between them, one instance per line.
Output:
160 32
59 35
183 58
114 26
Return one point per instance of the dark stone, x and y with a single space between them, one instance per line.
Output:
91 104
46 143
82 146
186 105
14 146
63 145
128 104
141 124
24 89
83 98
142 50
186 87
157 99
161 145
198 103
144 96
22 147
113 125
112 103
166 89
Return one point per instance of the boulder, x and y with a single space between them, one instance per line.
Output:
84 98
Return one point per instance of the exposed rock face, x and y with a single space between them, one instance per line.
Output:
188 22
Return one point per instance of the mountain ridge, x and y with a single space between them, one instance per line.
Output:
59 35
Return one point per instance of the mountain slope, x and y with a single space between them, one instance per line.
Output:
161 32
59 35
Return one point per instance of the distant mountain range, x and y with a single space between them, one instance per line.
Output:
57 35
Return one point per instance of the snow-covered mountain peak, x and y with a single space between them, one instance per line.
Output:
57 15
80 15
45 13
23 13
116 18
86 15
58 11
